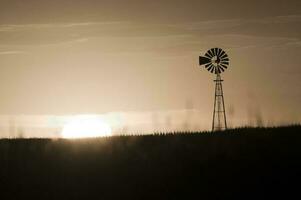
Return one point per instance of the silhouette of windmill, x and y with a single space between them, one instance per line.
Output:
217 61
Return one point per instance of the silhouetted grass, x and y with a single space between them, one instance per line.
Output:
245 163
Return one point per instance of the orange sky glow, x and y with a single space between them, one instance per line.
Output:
135 63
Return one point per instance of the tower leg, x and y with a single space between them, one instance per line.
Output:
219 121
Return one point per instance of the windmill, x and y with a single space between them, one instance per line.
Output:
217 61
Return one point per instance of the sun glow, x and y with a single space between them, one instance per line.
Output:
86 126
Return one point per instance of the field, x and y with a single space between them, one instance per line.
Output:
247 163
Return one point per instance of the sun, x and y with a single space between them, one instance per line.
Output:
86 126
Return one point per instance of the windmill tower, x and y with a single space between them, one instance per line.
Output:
217 61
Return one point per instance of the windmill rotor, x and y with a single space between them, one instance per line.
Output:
215 60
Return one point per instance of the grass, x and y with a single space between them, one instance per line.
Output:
245 163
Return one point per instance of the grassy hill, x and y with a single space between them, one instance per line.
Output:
248 163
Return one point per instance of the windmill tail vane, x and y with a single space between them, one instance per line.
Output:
217 61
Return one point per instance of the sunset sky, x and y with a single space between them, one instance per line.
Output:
65 57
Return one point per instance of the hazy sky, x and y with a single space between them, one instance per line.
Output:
91 56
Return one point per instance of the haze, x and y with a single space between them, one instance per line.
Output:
66 57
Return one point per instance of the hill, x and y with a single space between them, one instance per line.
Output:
247 163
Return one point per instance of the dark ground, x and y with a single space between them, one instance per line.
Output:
241 164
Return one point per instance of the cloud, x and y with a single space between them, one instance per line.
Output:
60 33
11 52
275 31
16 27
175 38
283 19
217 24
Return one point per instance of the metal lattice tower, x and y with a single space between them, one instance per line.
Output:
219 121
217 61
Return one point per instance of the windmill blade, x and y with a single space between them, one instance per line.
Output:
210 53
206 66
224 56
220 68
224 66
213 69
204 60
215 51
210 67
225 63
219 52
225 59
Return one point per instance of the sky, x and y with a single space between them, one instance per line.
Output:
69 57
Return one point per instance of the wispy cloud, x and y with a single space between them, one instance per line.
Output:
11 52
176 37
16 27
213 24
